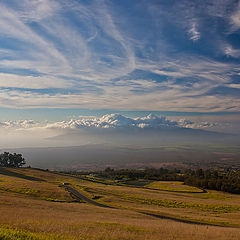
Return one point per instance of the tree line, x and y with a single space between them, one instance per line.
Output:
11 160
148 174
227 180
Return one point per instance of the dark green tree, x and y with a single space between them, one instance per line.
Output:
11 160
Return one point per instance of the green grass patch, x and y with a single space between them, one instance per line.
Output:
216 208
53 199
211 194
28 191
44 195
173 186
7 233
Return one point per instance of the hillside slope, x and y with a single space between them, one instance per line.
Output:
34 206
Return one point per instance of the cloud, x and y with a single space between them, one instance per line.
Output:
73 52
220 8
116 121
232 52
109 121
234 85
37 10
235 18
33 82
196 125
19 124
110 127
113 121
193 32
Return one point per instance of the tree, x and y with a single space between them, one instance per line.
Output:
11 160
225 180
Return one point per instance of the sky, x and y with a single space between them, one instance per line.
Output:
61 59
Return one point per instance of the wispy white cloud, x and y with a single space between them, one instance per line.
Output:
235 18
37 10
88 52
230 51
193 32
33 82
233 85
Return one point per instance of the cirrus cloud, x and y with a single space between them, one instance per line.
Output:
129 55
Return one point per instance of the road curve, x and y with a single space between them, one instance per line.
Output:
133 186
78 195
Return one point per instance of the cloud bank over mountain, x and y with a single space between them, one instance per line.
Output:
116 129
115 121
109 121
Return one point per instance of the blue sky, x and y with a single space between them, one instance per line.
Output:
139 55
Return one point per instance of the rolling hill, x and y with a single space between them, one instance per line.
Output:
34 204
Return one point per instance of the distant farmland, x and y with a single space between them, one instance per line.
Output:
94 157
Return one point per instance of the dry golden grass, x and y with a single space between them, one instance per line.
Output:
173 186
213 208
43 219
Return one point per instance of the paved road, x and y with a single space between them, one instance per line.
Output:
78 195
134 186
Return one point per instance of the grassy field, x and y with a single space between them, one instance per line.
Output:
173 186
33 206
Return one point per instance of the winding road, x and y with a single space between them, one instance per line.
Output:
80 196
